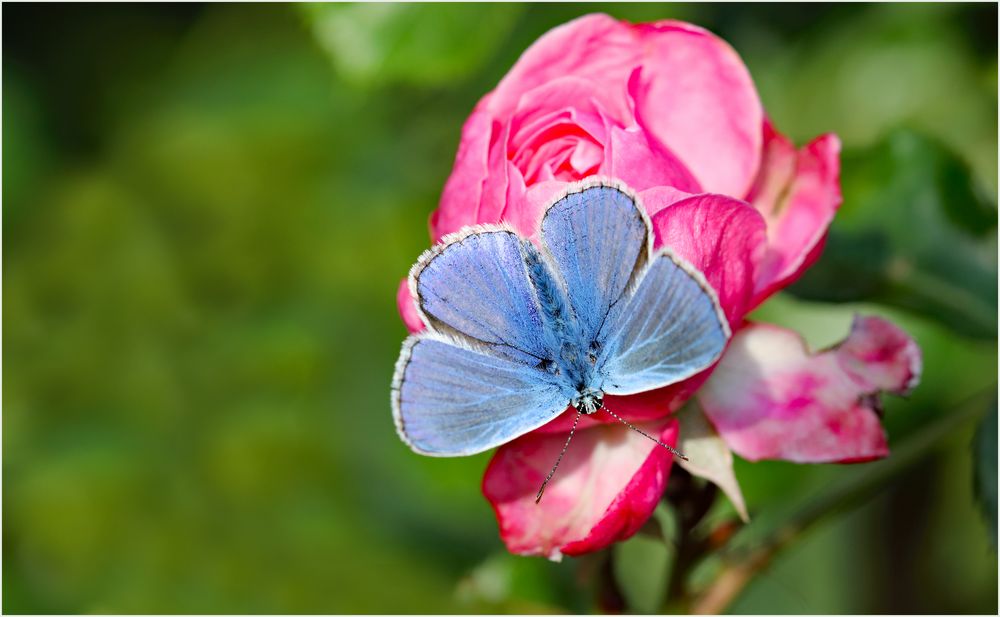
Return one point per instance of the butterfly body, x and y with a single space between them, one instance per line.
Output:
577 358
518 332
588 402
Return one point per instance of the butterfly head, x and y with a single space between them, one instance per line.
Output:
588 401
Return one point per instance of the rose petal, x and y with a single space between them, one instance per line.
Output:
777 170
720 236
573 97
597 47
769 398
659 197
554 145
492 202
798 194
696 96
586 158
408 308
464 189
631 157
606 487
708 455
880 356
525 206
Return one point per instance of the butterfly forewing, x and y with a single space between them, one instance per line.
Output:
671 329
452 401
476 286
599 240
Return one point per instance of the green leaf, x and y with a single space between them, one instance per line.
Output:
915 232
419 44
984 452
642 566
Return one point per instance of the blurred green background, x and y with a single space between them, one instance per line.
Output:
206 213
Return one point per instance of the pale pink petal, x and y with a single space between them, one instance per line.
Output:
597 47
408 308
630 156
770 399
720 236
695 95
607 486
798 194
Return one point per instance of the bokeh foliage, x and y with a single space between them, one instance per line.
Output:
207 210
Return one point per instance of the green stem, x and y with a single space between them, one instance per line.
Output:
742 564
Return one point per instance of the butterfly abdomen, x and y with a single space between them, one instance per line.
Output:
571 357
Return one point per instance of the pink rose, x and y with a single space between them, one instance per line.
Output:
670 110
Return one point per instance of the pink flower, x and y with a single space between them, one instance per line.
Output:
670 110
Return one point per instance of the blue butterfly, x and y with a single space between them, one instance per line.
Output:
516 334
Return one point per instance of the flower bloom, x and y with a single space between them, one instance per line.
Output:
670 110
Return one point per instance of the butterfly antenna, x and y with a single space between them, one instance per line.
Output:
538 497
646 435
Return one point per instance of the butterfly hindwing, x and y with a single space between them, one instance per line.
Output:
672 328
452 401
599 240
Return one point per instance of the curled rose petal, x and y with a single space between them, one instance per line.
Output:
798 193
770 399
695 95
605 489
